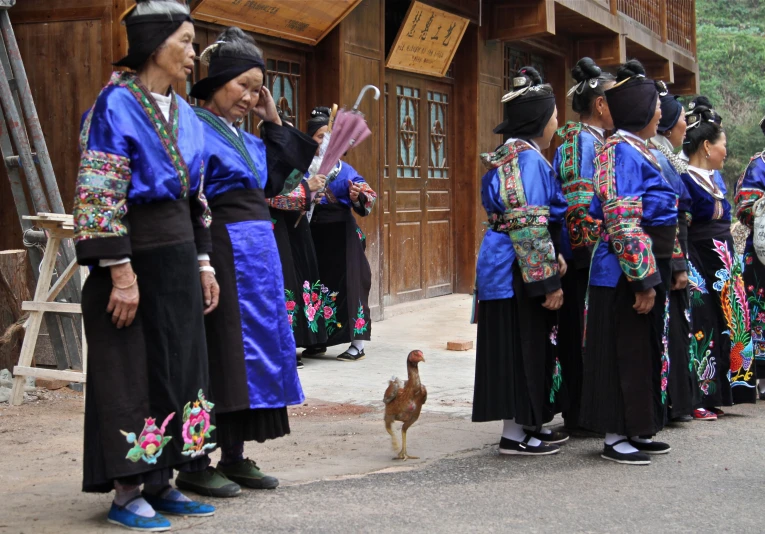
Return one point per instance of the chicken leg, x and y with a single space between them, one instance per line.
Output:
403 455
393 440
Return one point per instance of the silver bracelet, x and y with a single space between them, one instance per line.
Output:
206 269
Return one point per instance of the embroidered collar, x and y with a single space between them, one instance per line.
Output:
236 140
661 144
640 145
706 180
166 130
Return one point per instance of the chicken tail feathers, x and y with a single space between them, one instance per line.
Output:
394 384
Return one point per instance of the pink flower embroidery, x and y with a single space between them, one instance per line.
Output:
306 298
310 310
327 312
360 324
290 305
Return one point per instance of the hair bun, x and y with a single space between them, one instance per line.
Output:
235 35
630 69
585 69
321 110
532 78
661 87
762 125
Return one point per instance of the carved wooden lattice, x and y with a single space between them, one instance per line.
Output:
438 106
283 79
646 12
408 100
680 23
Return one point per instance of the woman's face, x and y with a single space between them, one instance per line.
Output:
717 151
653 127
239 96
547 135
176 55
319 136
676 134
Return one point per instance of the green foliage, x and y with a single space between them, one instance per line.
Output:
731 49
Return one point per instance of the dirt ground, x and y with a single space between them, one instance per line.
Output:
41 464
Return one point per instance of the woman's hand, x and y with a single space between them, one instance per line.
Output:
316 182
266 108
562 265
644 301
123 303
679 280
210 288
554 300
353 190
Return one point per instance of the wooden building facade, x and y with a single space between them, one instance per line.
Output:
424 233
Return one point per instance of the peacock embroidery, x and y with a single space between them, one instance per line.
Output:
735 308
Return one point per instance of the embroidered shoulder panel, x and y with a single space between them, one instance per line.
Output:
745 200
295 200
569 161
604 180
100 195
622 217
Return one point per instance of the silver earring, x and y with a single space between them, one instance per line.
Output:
707 155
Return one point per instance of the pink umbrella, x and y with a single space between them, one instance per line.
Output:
348 130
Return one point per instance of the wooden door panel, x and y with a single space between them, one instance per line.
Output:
439 264
408 273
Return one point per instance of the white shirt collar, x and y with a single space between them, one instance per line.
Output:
601 131
625 133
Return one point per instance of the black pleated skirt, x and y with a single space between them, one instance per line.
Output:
621 391
754 278
301 278
344 270
142 379
570 333
518 374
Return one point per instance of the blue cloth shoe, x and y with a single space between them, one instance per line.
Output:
120 515
184 508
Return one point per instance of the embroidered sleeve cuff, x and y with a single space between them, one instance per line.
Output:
646 283
90 251
622 217
367 199
745 200
582 233
540 289
296 200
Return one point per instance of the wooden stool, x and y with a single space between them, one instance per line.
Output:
58 226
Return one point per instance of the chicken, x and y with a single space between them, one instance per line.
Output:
403 402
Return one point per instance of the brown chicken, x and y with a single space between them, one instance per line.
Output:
403 402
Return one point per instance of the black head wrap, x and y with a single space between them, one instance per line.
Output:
146 33
671 108
528 108
233 54
319 117
762 125
632 100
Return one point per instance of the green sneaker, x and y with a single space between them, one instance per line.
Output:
210 482
246 473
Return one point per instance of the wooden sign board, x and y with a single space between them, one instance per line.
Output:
427 40
304 21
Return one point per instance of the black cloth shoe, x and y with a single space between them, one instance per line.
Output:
630 458
553 438
508 446
300 364
352 356
682 419
312 352
761 395
655 447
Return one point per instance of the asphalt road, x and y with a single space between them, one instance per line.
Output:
711 481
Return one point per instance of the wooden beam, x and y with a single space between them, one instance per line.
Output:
614 7
606 50
50 374
52 307
663 20
521 20
660 70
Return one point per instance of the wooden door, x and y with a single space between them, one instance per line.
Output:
417 189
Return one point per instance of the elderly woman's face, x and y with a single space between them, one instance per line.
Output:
176 55
240 95
319 136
